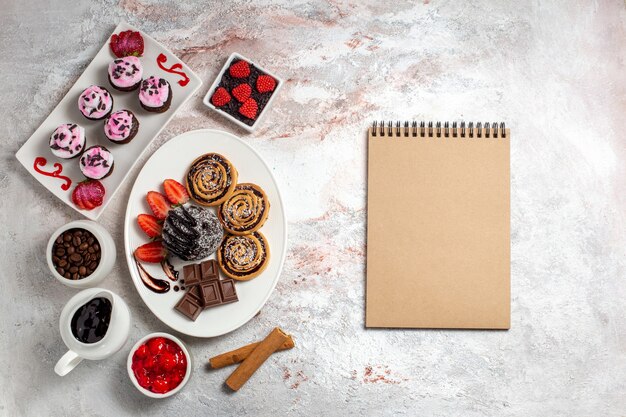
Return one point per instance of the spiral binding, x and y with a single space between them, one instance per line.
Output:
424 130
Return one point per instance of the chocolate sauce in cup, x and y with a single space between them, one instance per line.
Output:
94 324
91 322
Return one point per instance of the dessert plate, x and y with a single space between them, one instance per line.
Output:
172 161
60 176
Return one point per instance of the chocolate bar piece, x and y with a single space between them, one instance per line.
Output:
228 291
205 289
202 272
192 275
188 307
209 270
210 293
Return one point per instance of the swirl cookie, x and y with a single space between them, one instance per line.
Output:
245 211
211 179
243 257
95 102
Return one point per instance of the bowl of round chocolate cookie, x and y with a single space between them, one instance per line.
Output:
80 254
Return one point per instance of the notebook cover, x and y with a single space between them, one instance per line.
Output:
438 232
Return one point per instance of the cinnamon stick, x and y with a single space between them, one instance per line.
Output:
259 354
238 355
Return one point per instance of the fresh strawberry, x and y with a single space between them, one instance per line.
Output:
126 44
249 108
240 69
220 97
175 191
88 194
242 92
149 224
265 84
152 252
158 204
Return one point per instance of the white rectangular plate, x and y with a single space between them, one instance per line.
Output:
61 175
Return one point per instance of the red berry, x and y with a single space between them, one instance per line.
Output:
158 204
149 224
167 362
149 362
152 252
160 386
242 92
137 364
143 381
127 43
249 108
156 345
240 69
175 191
142 351
265 84
88 194
220 97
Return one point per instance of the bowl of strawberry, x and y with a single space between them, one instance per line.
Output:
159 365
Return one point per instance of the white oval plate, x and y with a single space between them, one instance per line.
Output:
172 161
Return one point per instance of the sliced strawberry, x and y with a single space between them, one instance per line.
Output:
152 252
88 194
175 191
158 204
240 69
265 84
149 224
220 97
249 108
242 92
127 43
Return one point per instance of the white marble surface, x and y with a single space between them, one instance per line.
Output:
553 70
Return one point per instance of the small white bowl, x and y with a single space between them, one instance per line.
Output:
107 254
209 94
131 374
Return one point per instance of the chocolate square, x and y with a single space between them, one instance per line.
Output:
210 294
209 270
191 274
228 291
188 307
194 292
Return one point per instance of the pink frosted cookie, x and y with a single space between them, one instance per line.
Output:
96 162
95 102
155 94
121 126
125 73
67 141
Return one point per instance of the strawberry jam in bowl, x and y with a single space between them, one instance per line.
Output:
159 365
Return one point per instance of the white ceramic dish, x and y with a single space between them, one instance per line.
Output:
107 254
172 160
113 340
61 175
209 94
131 374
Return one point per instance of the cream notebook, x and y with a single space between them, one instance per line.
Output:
438 226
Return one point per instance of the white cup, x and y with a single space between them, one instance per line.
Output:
113 340
131 374
107 254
